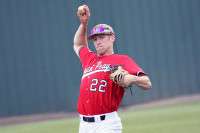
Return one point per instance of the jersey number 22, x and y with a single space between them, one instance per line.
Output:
96 85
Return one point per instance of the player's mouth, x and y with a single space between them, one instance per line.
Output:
99 47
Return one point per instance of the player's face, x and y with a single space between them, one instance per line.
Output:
103 44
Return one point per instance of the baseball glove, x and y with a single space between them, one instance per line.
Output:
117 74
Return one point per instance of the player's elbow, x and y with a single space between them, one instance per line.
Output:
149 85
146 86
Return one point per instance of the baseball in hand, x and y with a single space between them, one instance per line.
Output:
81 10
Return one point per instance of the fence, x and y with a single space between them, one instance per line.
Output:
39 71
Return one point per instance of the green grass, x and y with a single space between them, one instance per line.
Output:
54 126
182 118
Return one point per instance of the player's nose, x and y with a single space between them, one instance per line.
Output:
98 41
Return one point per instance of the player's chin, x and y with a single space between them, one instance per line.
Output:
100 51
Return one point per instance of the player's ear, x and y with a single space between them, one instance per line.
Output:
112 38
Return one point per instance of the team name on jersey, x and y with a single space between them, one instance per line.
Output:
99 67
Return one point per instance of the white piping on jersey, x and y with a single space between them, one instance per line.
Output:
138 73
96 71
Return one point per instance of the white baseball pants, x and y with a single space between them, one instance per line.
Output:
104 123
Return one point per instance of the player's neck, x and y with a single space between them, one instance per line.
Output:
106 54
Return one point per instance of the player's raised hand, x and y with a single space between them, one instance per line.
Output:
84 14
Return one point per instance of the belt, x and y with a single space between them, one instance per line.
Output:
92 119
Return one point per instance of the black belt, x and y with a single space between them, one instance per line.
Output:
92 119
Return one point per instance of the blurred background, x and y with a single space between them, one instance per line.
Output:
40 73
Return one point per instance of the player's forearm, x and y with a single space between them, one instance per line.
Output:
80 38
142 82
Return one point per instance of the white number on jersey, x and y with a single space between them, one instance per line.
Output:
95 82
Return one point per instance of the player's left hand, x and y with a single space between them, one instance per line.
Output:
117 74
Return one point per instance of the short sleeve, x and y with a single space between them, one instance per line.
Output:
86 56
132 67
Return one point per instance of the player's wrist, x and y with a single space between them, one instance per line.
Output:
84 24
129 79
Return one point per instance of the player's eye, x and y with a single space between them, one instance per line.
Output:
95 39
102 37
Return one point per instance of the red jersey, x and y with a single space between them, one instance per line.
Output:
99 94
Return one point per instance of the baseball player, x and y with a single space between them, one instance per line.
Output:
106 77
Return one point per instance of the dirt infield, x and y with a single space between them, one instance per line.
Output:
64 115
